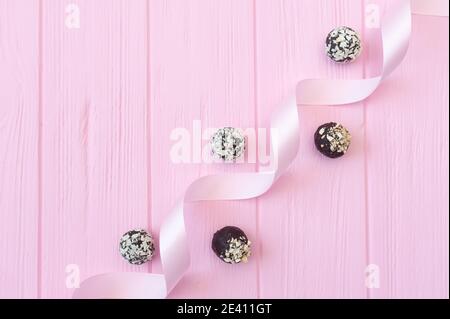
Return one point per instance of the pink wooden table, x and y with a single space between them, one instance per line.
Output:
85 121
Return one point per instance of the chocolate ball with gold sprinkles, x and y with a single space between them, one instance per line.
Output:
137 246
332 140
231 245
343 44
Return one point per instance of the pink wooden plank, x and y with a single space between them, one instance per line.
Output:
202 69
19 156
94 137
407 169
312 223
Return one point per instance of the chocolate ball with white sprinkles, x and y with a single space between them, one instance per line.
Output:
332 140
343 44
231 245
137 246
228 143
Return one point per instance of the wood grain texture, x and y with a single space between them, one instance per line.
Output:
407 169
201 70
94 137
19 152
312 222
110 94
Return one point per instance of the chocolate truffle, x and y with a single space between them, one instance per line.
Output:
231 245
343 44
228 143
137 246
332 140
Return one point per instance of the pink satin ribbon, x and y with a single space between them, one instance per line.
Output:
174 249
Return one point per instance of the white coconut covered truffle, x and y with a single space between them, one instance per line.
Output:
228 143
137 246
343 45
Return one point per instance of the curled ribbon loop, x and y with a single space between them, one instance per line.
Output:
284 136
